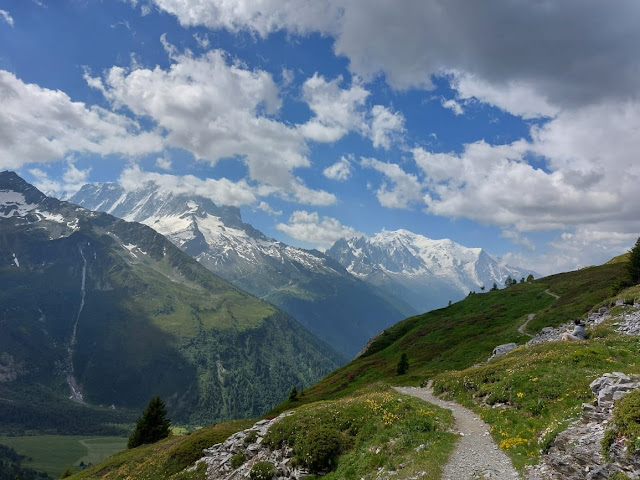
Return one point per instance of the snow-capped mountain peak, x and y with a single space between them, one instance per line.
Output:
425 272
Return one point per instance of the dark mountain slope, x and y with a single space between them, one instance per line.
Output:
114 312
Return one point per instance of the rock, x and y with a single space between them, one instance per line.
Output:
576 453
503 349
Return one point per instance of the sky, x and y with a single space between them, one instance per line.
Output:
511 125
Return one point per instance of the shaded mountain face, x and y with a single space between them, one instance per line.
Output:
425 273
339 308
110 312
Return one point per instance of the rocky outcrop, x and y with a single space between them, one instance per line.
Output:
576 453
234 458
629 322
503 349
551 334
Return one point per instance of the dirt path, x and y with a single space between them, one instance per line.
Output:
548 292
531 316
476 455
521 328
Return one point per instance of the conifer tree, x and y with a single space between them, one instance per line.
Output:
152 425
403 364
634 263
293 394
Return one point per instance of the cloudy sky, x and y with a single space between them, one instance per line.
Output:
512 125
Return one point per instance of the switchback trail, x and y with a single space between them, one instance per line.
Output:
531 316
476 455
521 328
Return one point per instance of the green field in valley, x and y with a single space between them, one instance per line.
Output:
55 453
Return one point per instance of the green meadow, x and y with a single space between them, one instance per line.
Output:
55 453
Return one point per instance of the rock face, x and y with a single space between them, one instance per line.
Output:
218 458
576 453
551 334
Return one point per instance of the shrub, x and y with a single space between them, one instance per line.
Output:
626 416
251 437
238 459
320 448
262 471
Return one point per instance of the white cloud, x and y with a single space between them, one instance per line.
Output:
339 111
262 17
217 108
336 111
452 105
145 10
309 227
516 97
221 192
340 171
42 125
72 180
265 207
164 163
552 49
518 238
288 76
579 248
202 40
385 126
404 189
7 17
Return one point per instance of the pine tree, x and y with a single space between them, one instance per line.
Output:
634 263
293 394
403 364
152 425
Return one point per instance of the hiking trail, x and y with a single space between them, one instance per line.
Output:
476 455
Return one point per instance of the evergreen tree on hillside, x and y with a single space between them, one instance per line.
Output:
153 424
403 364
634 263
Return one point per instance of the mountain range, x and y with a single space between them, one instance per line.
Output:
423 272
109 312
315 289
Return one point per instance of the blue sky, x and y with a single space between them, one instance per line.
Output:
508 125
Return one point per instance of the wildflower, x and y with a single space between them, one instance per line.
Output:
520 394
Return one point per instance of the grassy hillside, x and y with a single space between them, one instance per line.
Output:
527 396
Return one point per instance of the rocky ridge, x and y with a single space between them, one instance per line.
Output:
576 453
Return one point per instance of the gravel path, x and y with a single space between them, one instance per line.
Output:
530 317
476 455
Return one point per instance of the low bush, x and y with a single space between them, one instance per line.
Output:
238 459
262 471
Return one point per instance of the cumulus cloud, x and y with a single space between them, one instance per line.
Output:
222 191
42 125
385 125
400 190
72 180
262 17
217 108
579 248
452 105
7 17
309 227
163 163
265 207
551 49
516 97
340 171
337 111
